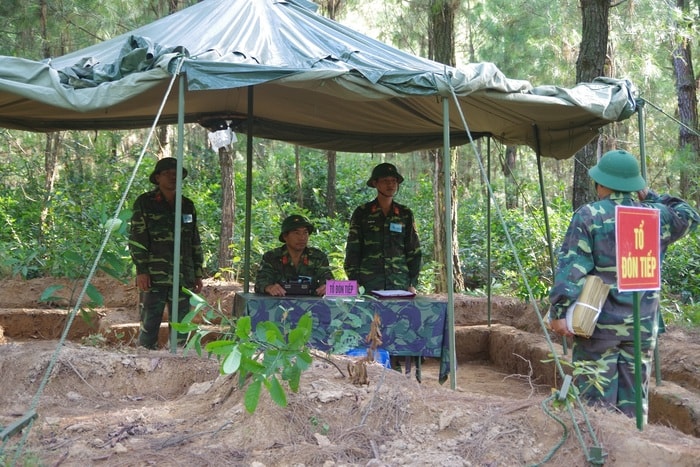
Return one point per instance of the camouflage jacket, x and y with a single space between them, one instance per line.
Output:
276 266
383 252
589 248
152 240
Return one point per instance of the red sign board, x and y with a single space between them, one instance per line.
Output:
638 248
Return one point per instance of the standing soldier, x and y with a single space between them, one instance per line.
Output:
152 245
383 250
589 248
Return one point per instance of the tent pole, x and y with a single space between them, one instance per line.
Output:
248 192
175 297
448 235
548 229
488 233
643 168
642 138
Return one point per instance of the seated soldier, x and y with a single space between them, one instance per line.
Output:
294 261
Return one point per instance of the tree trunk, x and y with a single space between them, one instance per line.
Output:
228 214
590 65
330 186
43 16
298 177
439 247
52 145
441 49
51 149
332 9
164 147
688 142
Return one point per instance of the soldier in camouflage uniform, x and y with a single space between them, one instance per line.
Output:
152 245
589 248
383 250
293 260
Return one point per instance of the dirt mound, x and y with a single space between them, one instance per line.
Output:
18 293
134 407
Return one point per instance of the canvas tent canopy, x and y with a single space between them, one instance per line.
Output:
316 83
275 69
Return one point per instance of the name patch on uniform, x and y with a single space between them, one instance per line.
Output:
187 218
396 227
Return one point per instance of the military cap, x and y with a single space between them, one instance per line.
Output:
384 170
294 222
619 171
165 163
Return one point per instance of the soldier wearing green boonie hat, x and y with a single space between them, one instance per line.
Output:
589 248
166 163
384 170
294 222
152 246
383 250
619 171
294 260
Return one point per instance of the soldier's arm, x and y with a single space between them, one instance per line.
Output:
575 260
139 241
678 218
414 254
324 272
266 274
353 247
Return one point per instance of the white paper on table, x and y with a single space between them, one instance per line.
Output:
393 293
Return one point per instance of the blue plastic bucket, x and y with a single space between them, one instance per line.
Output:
380 355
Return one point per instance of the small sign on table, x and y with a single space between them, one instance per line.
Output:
341 288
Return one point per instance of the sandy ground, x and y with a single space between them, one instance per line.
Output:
119 405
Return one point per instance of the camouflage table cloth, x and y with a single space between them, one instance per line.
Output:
410 327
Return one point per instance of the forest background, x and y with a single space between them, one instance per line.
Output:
59 190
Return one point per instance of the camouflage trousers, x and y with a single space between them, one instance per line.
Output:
613 360
152 305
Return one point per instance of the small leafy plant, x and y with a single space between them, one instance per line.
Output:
262 356
587 376
320 425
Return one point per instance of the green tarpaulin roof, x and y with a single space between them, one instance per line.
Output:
316 83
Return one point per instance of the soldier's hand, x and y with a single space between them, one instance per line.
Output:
559 327
275 290
143 282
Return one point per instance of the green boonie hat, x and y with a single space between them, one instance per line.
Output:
619 171
384 170
294 222
165 163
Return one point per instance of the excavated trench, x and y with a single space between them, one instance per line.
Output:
504 342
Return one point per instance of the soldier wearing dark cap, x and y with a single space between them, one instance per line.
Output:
383 250
293 260
152 246
589 249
